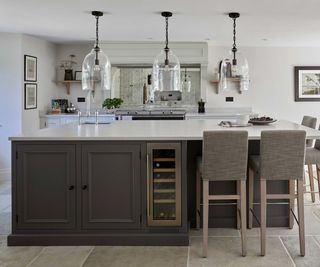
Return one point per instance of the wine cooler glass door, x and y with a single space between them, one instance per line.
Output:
164 184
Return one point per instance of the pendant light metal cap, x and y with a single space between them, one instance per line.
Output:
166 14
97 13
234 15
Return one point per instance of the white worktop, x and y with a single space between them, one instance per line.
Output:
211 113
152 130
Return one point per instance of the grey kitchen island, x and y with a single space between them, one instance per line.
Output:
125 183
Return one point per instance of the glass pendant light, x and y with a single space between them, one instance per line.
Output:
235 66
166 66
186 83
96 69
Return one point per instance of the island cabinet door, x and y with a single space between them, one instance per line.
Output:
111 186
45 180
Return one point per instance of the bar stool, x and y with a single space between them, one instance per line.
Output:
313 158
310 122
282 157
225 159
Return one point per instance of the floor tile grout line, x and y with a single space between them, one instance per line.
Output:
35 258
286 250
257 235
85 258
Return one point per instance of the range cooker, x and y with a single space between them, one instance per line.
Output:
159 114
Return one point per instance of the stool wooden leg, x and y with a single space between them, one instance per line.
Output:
304 181
251 186
318 177
301 218
238 205
310 171
243 217
263 215
205 213
291 202
198 197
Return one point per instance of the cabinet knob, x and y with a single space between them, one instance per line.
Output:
84 187
71 187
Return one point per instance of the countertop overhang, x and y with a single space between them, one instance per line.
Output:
151 130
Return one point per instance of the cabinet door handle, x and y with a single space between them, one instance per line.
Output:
71 187
148 186
84 187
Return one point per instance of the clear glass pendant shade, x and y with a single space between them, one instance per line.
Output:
96 72
232 71
166 72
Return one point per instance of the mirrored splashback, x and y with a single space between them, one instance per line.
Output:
133 84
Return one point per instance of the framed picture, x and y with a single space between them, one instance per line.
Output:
78 75
30 68
307 83
30 95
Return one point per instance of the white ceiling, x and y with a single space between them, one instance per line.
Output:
262 22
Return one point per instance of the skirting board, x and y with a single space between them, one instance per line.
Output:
181 239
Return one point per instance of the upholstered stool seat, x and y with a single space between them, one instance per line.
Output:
310 122
225 156
282 157
312 156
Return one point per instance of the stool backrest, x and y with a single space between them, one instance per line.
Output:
317 143
225 155
282 154
310 122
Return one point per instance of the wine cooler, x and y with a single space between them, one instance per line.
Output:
164 184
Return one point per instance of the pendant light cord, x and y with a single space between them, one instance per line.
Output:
97 32
96 48
166 49
234 47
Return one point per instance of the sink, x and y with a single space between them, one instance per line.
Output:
90 122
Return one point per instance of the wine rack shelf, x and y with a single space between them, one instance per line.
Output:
164 184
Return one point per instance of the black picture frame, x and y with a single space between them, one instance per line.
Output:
30 68
301 74
30 99
77 74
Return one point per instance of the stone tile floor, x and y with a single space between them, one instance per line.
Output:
224 247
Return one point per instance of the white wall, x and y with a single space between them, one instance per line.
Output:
10 91
46 53
13 118
63 53
272 81
271 74
127 53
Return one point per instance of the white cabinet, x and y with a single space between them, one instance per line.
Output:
50 121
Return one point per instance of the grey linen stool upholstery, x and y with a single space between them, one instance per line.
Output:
310 122
313 157
282 157
225 156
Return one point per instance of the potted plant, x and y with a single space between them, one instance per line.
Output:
67 65
110 103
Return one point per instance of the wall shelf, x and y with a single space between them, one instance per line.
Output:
68 83
231 79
